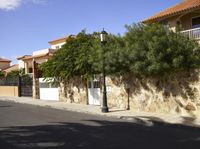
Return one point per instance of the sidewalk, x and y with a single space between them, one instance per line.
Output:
145 118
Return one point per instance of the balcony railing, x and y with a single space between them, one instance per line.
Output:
192 33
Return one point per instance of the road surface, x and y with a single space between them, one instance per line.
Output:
25 126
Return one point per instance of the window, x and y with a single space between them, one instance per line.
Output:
165 23
57 47
196 22
178 23
30 70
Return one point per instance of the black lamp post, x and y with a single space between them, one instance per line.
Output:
103 36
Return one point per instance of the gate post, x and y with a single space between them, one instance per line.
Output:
19 86
36 94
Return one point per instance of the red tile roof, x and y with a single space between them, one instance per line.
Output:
38 56
4 60
60 40
22 57
12 68
182 7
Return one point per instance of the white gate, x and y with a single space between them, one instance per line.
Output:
94 92
48 90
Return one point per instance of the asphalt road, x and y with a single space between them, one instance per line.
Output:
31 127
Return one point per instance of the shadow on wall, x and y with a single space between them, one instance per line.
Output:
174 85
182 87
93 134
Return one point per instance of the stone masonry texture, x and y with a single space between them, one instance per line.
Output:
175 93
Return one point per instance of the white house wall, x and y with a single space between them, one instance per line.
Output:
21 64
57 45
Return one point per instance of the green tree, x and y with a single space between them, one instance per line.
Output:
146 50
2 75
73 59
13 75
155 50
116 54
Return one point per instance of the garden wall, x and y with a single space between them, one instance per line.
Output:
11 91
74 91
178 93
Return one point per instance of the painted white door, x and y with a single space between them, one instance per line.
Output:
49 94
94 92
48 90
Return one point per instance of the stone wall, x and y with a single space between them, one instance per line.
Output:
74 91
178 93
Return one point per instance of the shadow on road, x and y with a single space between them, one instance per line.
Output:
96 134
5 106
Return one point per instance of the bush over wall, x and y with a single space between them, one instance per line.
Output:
145 50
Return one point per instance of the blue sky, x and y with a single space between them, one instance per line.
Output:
28 25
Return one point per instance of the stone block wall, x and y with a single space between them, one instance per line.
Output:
178 93
74 91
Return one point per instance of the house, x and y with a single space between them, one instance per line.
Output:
4 63
40 56
185 13
30 65
11 68
57 43
121 94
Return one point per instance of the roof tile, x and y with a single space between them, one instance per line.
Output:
185 5
4 60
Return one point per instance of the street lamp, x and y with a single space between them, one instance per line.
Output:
103 38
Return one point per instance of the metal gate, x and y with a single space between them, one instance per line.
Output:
25 86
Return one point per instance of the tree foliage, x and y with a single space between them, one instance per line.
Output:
155 50
114 53
13 74
146 50
75 58
2 74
